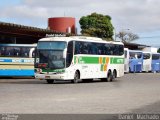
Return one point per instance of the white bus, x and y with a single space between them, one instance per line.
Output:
126 60
147 62
79 57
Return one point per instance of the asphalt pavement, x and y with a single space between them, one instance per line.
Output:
133 93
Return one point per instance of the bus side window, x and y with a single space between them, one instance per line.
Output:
121 50
99 49
110 50
115 49
25 52
9 51
69 53
2 51
17 51
85 48
106 49
94 49
77 47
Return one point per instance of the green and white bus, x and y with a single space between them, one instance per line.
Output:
78 58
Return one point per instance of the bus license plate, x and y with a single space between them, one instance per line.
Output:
47 77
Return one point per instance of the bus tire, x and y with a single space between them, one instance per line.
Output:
114 75
50 81
109 76
76 77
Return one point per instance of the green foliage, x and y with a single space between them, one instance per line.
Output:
97 25
158 50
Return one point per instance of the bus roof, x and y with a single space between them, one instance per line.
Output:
126 49
146 52
135 51
155 53
79 38
19 45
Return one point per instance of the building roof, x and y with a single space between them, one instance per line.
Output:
134 46
22 30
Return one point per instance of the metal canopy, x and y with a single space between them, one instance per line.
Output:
22 33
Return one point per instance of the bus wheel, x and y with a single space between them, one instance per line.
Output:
114 75
76 77
109 76
129 70
50 81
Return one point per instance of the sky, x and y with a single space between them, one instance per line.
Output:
141 17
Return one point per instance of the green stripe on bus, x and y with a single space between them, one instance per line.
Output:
114 60
86 60
95 60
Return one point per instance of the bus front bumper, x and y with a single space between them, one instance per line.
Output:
50 76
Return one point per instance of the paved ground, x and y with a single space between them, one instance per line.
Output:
133 93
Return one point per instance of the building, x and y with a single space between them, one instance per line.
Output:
20 34
151 49
134 46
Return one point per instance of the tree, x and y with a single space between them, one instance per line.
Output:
127 36
158 50
97 25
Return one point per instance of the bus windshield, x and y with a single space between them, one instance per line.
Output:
135 55
50 55
54 45
155 56
146 56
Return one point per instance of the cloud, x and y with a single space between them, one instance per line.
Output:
137 15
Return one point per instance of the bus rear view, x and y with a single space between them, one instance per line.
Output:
155 62
135 61
147 59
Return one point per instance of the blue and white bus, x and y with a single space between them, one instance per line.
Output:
135 61
155 62
17 60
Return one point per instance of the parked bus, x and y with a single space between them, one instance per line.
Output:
135 61
79 57
126 60
16 60
155 62
147 61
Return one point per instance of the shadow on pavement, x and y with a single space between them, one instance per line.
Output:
150 109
